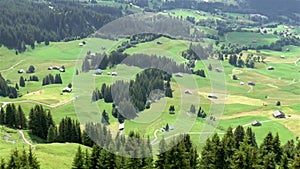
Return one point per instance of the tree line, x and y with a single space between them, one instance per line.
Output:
6 90
50 79
20 159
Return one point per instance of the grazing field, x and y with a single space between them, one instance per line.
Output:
250 38
48 155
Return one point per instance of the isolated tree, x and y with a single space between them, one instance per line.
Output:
22 81
168 92
193 109
167 127
17 86
234 77
70 85
31 69
278 103
209 67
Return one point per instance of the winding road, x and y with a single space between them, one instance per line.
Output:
23 138
13 66
41 103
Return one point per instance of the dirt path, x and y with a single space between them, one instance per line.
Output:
41 103
23 138
13 66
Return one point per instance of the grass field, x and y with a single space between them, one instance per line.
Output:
247 38
241 103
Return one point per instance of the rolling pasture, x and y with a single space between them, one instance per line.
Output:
242 104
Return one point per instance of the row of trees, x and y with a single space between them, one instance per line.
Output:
21 159
50 79
13 117
236 149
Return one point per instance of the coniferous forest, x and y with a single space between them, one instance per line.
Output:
25 22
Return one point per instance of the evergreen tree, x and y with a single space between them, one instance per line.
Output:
21 121
32 160
78 162
10 117
105 118
22 81
2 116
193 109
239 134
52 134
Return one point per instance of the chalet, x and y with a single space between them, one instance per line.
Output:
278 114
282 56
50 68
219 70
270 68
159 43
242 83
108 73
187 92
287 49
62 70
114 73
212 96
55 67
178 75
256 123
20 70
80 44
251 83
67 90
98 72
121 126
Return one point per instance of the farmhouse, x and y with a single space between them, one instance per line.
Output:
98 72
55 67
178 75
67 90
256 123
62 70
50 68
80 44
282 56
114 73
20 70
121 126
242 83
108 73
187 92
218 70
278 114
159 43
270 68
251 83
213 96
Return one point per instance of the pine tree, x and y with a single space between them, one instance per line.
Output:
21 121
162 156
32 160
239 134
228 146
2 164
105 118
10 117
78 162
2 116
52 134
193 109
22 81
